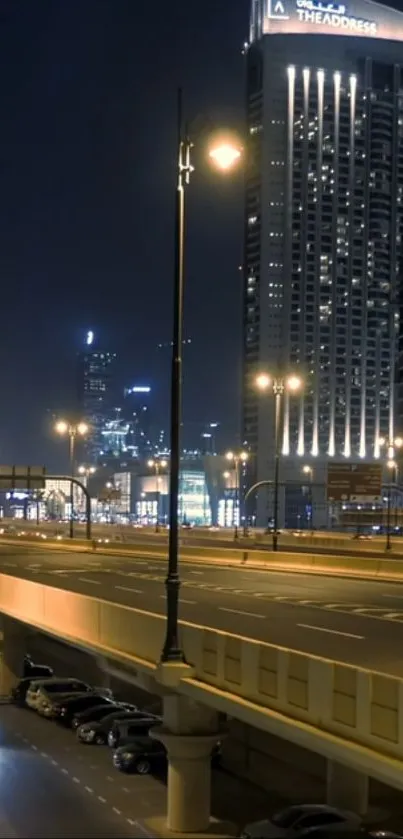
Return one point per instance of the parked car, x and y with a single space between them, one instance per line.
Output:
99 712
385 834
19 691
65 710
43 693
144 755
125 730
297 820
97 732
34 670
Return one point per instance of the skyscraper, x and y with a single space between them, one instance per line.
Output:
324 219
95 393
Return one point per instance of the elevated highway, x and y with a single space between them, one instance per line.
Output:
350 714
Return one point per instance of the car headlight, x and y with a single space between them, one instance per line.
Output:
126 756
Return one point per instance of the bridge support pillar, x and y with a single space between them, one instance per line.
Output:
346 788
12 645
189 732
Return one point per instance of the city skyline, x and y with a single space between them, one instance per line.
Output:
91 199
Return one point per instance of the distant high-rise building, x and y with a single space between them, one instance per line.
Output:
95 393
324 226
142 437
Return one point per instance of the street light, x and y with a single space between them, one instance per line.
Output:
391 443
172 651
237 459
278 385
157 465
308 470
86 470
73 430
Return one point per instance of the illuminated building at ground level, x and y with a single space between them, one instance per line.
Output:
324 218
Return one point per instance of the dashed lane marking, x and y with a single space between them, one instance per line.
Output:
87 580
101 799
89 789
127 588
76 780
331 631
118 812
238 612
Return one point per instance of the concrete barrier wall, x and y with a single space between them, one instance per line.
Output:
268 687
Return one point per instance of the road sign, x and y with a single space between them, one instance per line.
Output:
22 477
355 482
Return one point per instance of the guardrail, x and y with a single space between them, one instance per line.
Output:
348 714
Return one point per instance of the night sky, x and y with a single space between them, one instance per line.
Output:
88 95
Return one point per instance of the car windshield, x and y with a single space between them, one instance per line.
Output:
65 687
286 818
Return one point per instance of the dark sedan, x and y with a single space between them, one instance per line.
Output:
96 733
144 755
98 712
69 708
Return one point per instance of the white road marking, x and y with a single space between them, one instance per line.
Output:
181 600
102 800
238 612
43 754
65 771
86 580
392 616
125 789
363 611
35 565
88 789
76 780
118 812
127 588
331 631
35 748
198 573
394 596
9 564
55 763
108 778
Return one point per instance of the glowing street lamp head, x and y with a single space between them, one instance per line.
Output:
391 464
61 427
150 464
82 428
398 442
294 383
163 463
230 456
263 381
225 154
307 470
243 457
226 475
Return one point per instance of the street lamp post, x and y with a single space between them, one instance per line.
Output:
279 385
307 470
237 459
391 444
157 465
72 430
224 156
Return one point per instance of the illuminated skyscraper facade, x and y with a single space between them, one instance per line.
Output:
324 224
95 393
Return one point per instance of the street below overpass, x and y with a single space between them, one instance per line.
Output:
354 621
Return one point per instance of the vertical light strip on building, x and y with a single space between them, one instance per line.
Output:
319 214
332 376
393 308
287 259
377 394
349 307
306 73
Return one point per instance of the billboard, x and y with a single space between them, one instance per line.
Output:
361 18
354 482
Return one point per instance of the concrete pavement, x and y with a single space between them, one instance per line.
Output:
358 622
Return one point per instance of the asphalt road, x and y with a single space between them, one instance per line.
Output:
46 792
359 622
